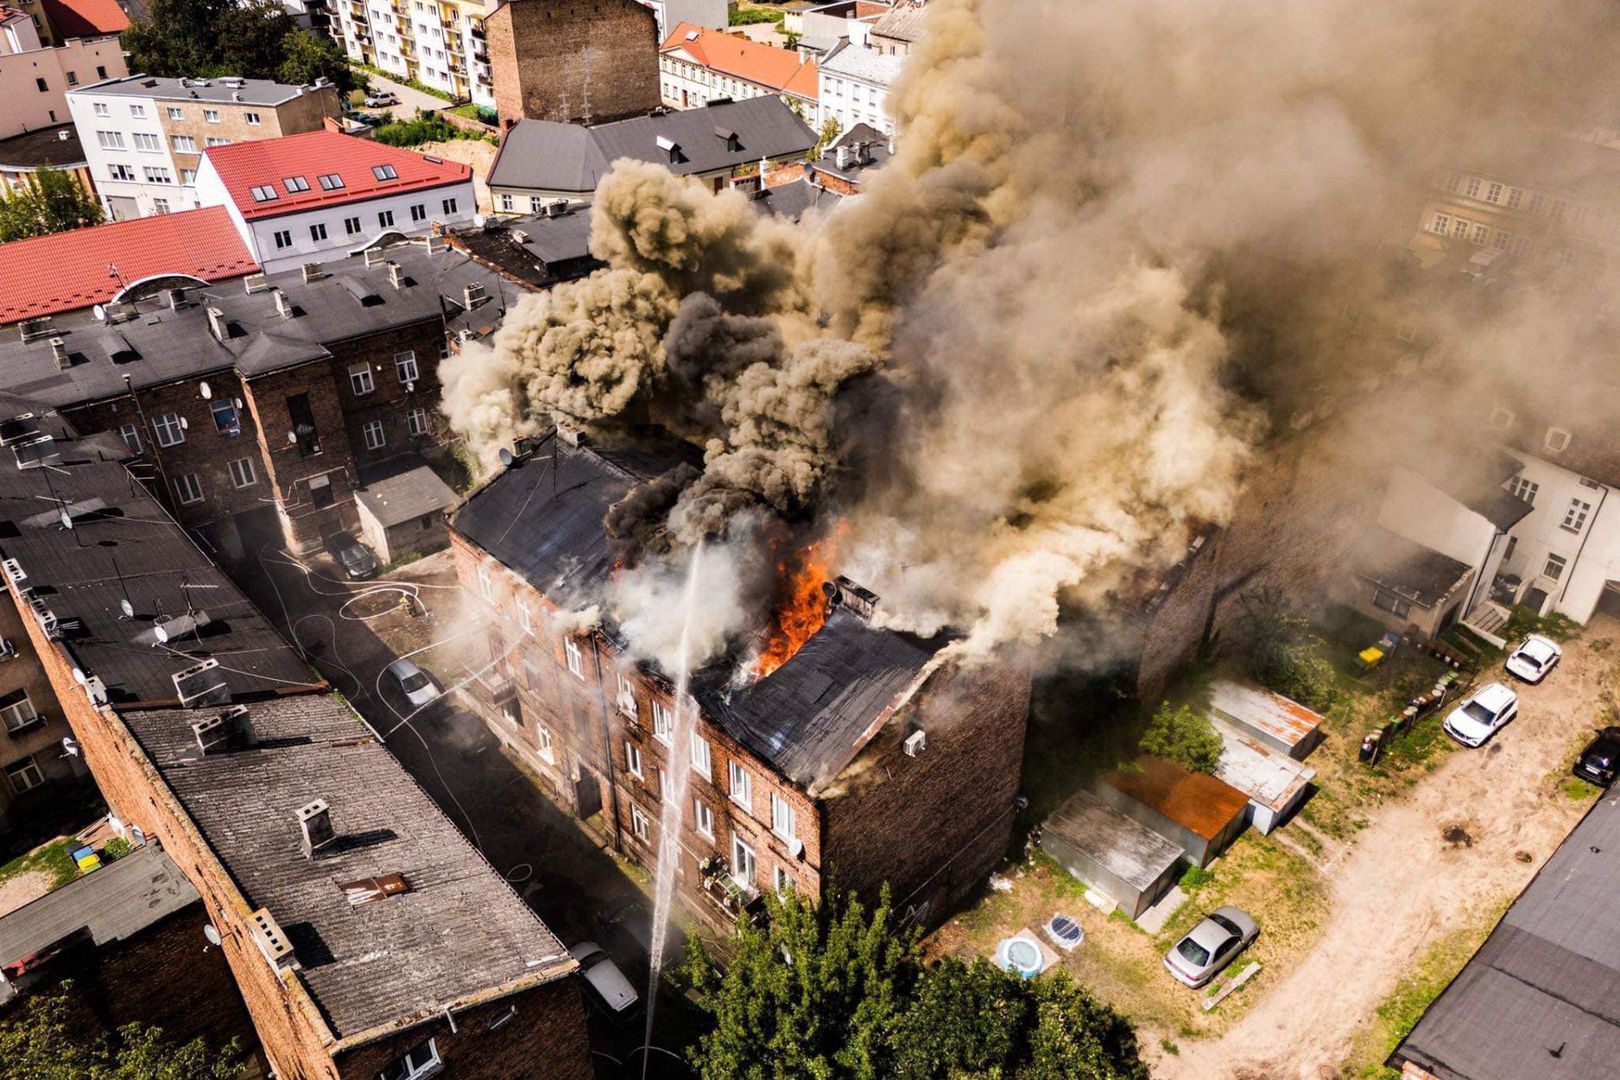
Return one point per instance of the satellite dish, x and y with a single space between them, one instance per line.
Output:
99 312
79 676
507 458
127 608
70 747
205 390
184 424
160 634
211 933
478 221
410 388
65 518
292 436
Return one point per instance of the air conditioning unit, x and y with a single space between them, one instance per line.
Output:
915 742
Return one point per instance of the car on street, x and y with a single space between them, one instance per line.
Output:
378 99
358 561
607 983
1534 658
1482 714
413 682
1211 945
1601 757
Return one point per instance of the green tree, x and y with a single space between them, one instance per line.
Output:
1181 734
829 131
255 39
307 57
842 991
38 1042
50 201
176 37
1284 654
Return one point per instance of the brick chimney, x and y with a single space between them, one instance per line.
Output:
315 819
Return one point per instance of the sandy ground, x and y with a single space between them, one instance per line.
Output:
23 889
1402 884
477 153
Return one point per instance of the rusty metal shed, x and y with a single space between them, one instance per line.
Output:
1193 810
1275 783
1268 718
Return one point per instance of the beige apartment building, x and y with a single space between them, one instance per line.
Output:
439 43
144 137
35 79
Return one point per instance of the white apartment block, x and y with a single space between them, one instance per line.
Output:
144 137
438 44
854 87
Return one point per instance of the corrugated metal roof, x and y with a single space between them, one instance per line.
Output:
1267 777
1257 708
1195 801
1121 845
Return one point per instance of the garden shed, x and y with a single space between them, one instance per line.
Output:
1115 855
1195 811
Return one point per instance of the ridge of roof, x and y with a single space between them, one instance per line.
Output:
766 65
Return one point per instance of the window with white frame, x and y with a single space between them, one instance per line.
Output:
170 430
449 206
17 711
100 109
156 174
283 238
131 434
422 1061
211 115
294 184
360 379
215 140
374 435
147 142
576 659
227 421
252 119
743 866
1440 224
185 144
24 775
176 114
1555 567
386 219
1482 233
781 880
351 226
243 474
188 488
506 201
1392 602
663 723
703 819
742 786
1523 489
416 422
1575 516
120 172
317 231
405 366
264 193
419 212
782 817
110 140
1493 193
702 762
627 697
632 760
542 735
640 824
160 206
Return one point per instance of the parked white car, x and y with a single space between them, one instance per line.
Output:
413 682
1534 658
1211 945
1482 714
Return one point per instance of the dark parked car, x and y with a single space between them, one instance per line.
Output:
1601 757
358 561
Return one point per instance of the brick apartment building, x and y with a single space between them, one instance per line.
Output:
258 405
860 761
366 935
572 60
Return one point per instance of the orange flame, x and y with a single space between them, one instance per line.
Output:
801 605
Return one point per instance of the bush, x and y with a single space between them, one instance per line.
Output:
116 849
1177 733
754 15
1283 653
426 128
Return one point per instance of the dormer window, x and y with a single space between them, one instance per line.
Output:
295 184
331 182
1557 440
384 172
1501 419
264 193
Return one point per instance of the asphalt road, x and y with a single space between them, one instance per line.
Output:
350 632
409 100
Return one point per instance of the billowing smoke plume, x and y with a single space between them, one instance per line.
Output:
1094 275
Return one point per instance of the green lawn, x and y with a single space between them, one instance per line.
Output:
51 858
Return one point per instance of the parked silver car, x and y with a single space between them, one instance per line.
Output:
607 983
1211 945
413 682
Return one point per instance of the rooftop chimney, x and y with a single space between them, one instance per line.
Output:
283 305
472 294
178 298
372 256
396 276
216 324
272 942
842 592
313 271
59 353
229 730
255 283
315 820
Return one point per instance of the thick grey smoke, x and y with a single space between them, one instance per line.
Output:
1097 271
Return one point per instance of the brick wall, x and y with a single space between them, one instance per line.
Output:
388 403
556 60
933 826
42 743
290 467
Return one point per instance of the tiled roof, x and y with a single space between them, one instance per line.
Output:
271 162
764 65
201 243
85 18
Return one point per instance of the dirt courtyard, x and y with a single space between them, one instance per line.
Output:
1440 858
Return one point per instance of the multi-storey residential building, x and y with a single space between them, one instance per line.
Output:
440 43
854 87
59 21
865 758
697 66
367 936
259 407
324 195
573 60
36 77
543 162
145 137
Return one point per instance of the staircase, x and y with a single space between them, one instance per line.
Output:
1485 620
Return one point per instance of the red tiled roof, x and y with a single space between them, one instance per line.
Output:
271 162
85 18
67 271
779 69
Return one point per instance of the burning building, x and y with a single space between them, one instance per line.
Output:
834 752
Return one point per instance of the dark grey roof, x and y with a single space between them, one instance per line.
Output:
796 198
124 545
903 22
112 903
45 147
545 155
539 250
459 931
1414 571
405 493
1541 998
808 716
159 344
1474 476
543 517
867 149
223 90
